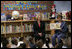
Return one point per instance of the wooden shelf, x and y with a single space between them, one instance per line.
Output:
16 34
30 21
2 33
55 20
22 32
17 21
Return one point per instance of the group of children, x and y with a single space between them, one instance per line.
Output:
23 43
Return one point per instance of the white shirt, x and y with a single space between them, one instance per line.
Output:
13 46
1 45
44 46
64 47
20 42
50 45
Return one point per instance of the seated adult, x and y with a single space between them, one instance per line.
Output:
59 34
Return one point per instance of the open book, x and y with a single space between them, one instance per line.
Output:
55 26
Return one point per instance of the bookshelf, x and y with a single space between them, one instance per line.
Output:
29 21
21 23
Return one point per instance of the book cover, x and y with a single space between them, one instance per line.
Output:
69 28
30 28
24 27
27 27
25 16
2 29
8 29
13 29
55 25
52 26
19 28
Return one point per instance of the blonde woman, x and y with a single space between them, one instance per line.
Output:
39 29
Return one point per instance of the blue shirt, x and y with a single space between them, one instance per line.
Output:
63 28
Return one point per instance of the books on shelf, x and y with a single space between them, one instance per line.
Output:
69 28
10 28
17 28
27 28
2 29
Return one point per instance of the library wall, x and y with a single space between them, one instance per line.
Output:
47 3
62 6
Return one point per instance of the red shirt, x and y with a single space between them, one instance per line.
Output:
39 24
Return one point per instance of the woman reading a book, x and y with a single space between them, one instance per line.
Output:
39 29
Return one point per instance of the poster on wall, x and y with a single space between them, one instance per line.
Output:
25 5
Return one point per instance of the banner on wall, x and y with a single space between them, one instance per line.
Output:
25 5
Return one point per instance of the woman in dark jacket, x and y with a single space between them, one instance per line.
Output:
39 29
